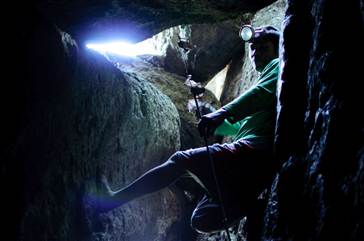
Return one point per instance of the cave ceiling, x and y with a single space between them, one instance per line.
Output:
136 20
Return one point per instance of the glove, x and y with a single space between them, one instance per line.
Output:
209 122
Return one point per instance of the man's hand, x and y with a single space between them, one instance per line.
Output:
196 88
209 122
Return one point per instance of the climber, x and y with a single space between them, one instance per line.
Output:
243 168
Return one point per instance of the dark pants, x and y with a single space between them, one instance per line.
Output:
242 173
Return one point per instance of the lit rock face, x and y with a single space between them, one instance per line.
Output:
82 117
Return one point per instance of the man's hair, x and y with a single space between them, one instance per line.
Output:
269 33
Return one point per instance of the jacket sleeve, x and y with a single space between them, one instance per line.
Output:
260 97
227 129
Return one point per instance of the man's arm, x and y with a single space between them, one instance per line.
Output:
256 99
260 97
211 121
227 129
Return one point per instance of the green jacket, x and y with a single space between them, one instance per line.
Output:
253 114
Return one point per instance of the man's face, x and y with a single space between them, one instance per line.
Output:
262 51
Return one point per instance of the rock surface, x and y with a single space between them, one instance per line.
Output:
318 192
212 46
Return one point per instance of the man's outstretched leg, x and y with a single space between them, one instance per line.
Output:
151 181
230 160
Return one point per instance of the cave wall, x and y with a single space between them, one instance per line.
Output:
318 191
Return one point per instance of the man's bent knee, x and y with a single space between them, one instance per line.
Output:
207 222
183 159
206 225
176 156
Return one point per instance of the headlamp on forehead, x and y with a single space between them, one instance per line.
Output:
246 32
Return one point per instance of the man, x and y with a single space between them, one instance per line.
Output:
243 167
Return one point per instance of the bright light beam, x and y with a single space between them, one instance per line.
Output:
126 49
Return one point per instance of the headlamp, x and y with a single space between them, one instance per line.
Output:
246 32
